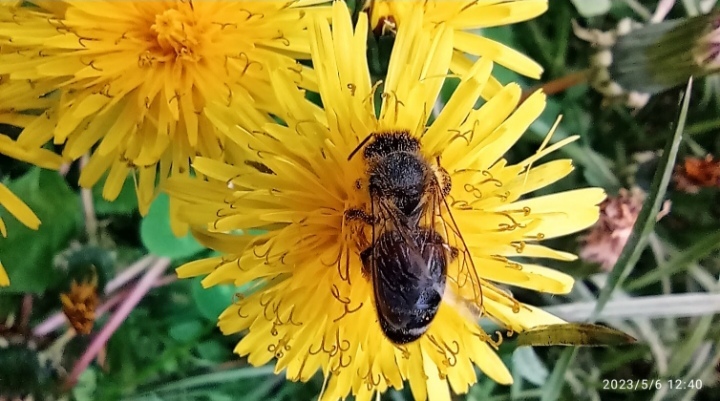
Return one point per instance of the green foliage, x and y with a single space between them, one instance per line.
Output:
22 371
170 349
158 237
591 8
528 365
212 301
27 254
125 203
648 216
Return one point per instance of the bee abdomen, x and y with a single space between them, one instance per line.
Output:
409 281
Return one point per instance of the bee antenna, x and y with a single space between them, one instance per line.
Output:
360 145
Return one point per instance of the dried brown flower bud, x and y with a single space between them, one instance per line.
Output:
609 235
79 305
695 173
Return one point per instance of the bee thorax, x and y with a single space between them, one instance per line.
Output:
400 178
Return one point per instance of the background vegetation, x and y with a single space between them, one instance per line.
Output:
169 349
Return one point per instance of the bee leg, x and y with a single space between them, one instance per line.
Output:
445 182
442 178
454 253
359 214
365 257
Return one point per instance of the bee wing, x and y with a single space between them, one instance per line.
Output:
408 285
461 269
388 217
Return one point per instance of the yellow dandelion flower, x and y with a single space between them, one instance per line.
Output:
9 201
311 305
465 18
135 77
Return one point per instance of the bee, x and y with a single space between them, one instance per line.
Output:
407 260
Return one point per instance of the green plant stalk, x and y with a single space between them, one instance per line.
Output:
684 353
678 263
703 127
555 383
648 215
633 248
247 372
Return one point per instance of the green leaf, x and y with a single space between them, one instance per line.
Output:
684 353
27 254
592 8
213 351
157 236
186 330
526 362
86 386
212 301
125 203
555 383
573 334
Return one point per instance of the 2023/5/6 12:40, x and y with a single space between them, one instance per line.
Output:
651 384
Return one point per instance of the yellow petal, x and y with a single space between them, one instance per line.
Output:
18 208
456 109
498 53
4 279
528 276
525 318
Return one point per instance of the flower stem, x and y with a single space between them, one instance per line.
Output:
133 298
662 10
91 223
26 311
64 169
558 85
129 273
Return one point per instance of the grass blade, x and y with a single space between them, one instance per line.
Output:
213 378
648 307
646 220
553 387
678 263
633 248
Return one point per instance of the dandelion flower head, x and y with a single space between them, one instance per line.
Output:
466 18
135 78
310 307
